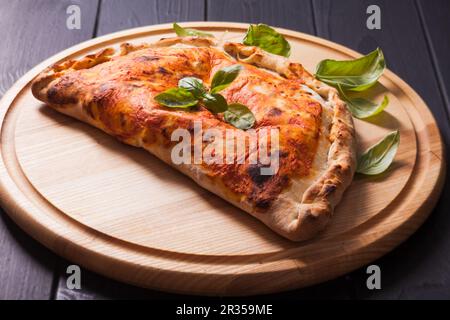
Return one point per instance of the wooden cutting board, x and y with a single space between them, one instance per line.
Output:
123 213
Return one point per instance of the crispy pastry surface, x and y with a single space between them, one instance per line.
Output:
115 93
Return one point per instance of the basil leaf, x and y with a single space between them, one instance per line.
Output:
378 157
214 102
186 32
193 85
265 37
239 116
356 75
176 98
224 77
362 108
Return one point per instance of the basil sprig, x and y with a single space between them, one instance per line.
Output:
359 75
187 32
214 102
191 91
176 98
355 75
265 37
224 77
239 116
193 85
377 158
362 108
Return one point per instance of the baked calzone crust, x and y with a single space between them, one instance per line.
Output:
316 142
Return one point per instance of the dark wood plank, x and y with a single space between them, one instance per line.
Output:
31 31
26 266
291 14
115 15
118 15
419 267
436 21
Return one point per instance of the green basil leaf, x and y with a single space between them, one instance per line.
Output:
362 108
356 75
176 98
265 37
193 85
186 32
239 116
224 77
378 157
214 102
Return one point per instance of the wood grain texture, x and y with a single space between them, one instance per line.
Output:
424 259
134 255
295 15
118 15
27 267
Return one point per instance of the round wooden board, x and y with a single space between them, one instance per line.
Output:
121 212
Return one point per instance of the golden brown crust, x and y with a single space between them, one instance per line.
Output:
130 113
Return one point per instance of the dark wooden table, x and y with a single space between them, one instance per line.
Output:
414 36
